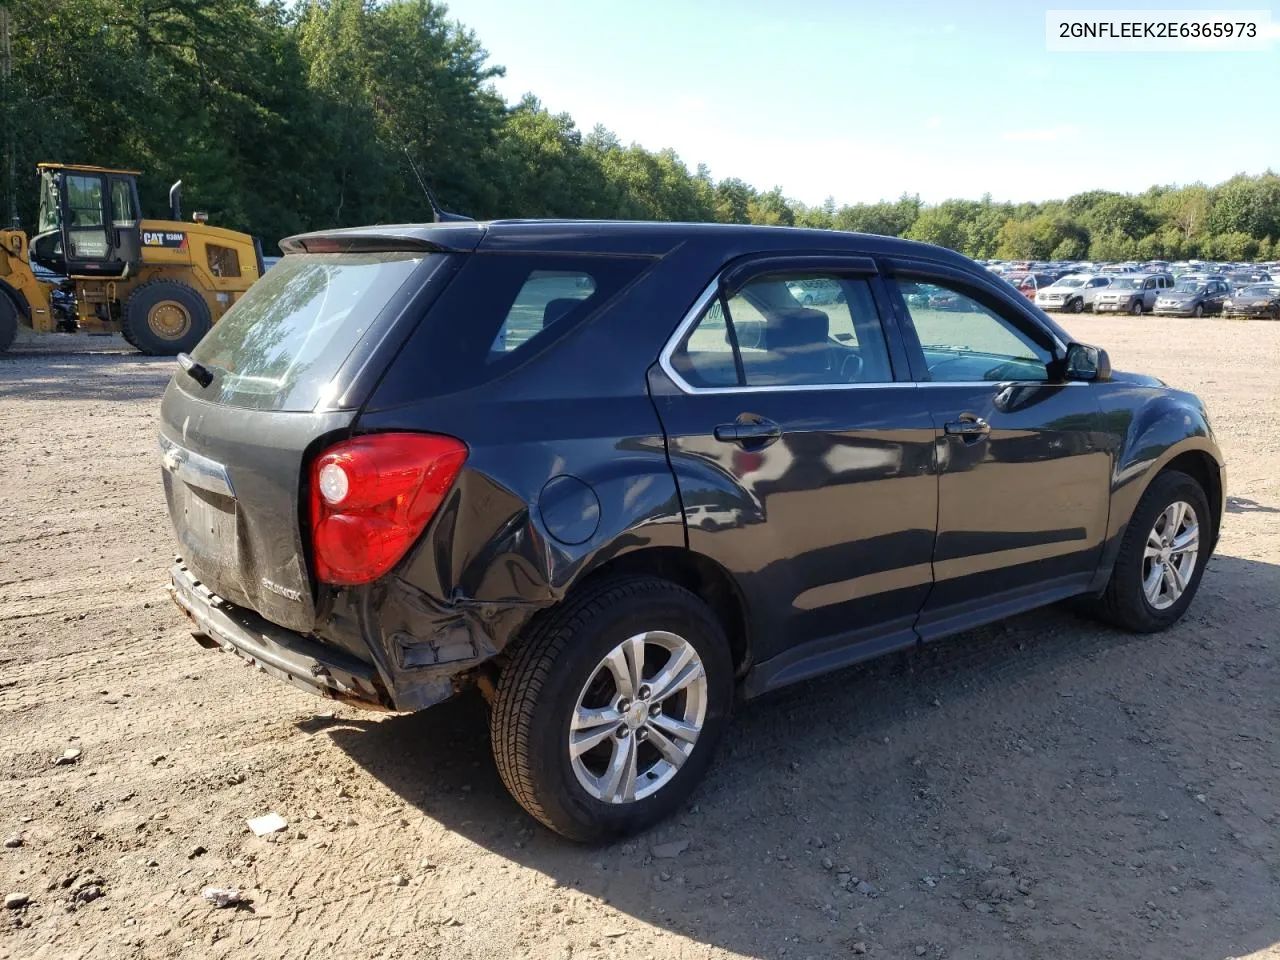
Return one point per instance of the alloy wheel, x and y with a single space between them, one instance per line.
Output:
638 717
1170 556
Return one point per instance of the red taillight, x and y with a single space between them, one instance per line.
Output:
372 497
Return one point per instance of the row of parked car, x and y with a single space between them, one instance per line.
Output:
1234 290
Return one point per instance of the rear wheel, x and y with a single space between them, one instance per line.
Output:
165 317
609 710
1162 556
8 322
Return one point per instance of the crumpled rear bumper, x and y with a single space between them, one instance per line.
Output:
282 653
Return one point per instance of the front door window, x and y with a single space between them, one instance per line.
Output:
965 341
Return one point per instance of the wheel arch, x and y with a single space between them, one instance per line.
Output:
697 573
1197 456
1206 471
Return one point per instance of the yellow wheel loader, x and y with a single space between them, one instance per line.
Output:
160 283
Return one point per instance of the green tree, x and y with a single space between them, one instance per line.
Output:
771 209
282 116
942 225
1188 210
1236 245
1112 245
1069 248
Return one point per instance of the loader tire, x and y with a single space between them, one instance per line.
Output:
165 317
8 322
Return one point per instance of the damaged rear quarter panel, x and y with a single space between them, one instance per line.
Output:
488 563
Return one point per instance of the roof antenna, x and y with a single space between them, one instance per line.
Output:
440 215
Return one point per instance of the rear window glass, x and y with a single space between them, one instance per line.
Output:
284 340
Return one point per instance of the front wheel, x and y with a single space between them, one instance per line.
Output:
1075 306
1135 308
608 712
1162 556
1198 312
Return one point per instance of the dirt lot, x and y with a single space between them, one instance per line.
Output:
1042 788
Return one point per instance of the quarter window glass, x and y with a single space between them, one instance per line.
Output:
790 330
545 297
965 341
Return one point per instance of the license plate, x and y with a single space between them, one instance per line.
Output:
208 525
1107 306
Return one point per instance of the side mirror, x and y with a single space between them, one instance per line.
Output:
1087 363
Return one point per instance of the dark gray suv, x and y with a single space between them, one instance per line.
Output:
546 460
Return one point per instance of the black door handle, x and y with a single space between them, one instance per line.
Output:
968 428
756 433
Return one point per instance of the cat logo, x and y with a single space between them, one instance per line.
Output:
173 239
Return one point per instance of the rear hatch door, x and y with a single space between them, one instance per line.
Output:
278 379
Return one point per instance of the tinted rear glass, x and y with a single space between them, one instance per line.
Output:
281 344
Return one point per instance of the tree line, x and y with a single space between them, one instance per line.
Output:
283 116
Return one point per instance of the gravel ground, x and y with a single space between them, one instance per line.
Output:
1045 787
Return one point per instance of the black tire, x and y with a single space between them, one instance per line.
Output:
1124 603
8 322
1075 306
539 687
1135 308
1198 312
161 295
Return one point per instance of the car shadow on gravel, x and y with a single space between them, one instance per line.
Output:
861 772
1245 505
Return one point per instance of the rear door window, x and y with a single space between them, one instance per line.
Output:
801 330
285 339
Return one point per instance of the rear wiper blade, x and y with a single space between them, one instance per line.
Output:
197 371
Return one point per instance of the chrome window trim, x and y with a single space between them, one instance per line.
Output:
712 291
1003 383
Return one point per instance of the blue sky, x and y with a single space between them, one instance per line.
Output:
862 101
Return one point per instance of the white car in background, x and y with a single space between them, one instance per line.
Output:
1073 293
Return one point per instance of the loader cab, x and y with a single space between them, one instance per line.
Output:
88 224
